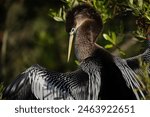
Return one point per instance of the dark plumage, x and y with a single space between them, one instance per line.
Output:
99 76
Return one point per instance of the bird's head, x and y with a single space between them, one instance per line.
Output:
83 17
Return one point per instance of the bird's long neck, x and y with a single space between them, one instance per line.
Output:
84 47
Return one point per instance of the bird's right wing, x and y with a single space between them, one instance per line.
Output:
39 83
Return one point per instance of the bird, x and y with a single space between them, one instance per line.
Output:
100 75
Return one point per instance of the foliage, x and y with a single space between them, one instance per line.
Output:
30 37
110 10
144 77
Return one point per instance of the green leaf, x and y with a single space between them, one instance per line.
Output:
131 2
148 17
140 3
114 38
64 14
58 15
60 12
94 3
108 46
107 37
58 19
77 62
121 52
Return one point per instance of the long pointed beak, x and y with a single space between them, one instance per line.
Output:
70 46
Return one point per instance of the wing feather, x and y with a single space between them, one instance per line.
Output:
130 77
135 62
47 85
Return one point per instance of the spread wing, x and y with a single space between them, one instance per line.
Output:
39 83
131 69
135 62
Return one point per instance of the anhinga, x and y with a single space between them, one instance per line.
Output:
99 76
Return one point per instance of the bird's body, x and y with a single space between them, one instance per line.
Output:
100 75
40 83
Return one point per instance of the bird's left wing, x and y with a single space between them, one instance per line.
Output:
136 63
131 77
39 83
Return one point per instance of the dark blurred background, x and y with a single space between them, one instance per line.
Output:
28 35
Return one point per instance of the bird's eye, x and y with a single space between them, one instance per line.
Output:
72 31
